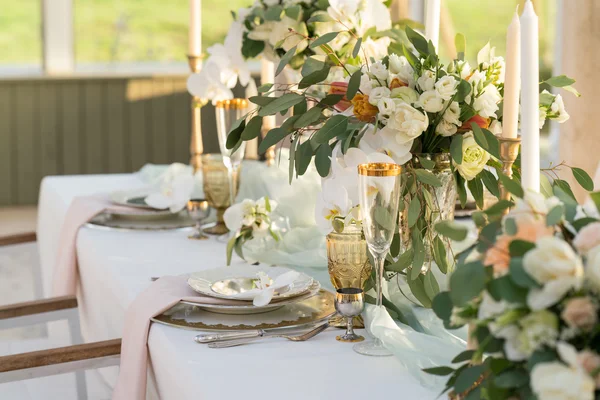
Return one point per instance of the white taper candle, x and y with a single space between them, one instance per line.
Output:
530 98
195 28
432 21
512 80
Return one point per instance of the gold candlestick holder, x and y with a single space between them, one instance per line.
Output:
196 145
509 150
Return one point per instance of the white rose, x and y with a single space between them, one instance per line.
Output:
386 107
554 264
445 128
554 380
405 94
378 93
486 104
400 66
558 108
366 84
592 268
446 87
379 71
535 330
407 123
452 114
431 102
489 308
427 80
474 157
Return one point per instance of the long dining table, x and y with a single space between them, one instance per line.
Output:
115 266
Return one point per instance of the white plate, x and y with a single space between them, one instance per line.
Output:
246 308
166 222
202 281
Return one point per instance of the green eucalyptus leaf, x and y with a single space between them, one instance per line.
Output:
442 306
499 207
311 65
518 248
479 136
383 217
510 226
323 160
273 13
353 84
426 163
439 254
418 254
303 157
431 285
476 187
315 77
417 288
395 246
282 103
403 262
331 99
468 377
235 135
418 41
462 91
545 186
414 211
252 129
334 126
293 12
519 276
555 215
319 18
492 142
490 182
427 177
412 59
467 282
566 189
356 48
514 378
560 81
583 179
273 137
262 100
439 371
308 118
323 39
464 356
456 148
512 186
451 230
285 59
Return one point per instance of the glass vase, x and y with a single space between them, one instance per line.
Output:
441 205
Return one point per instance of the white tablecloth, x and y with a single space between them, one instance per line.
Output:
116 266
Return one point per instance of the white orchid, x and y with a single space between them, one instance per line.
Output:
254 215
333 203
174 192
228 56
207 84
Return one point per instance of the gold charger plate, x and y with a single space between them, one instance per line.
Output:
310 311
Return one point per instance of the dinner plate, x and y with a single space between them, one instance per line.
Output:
246 307
166 222
225 282
310 311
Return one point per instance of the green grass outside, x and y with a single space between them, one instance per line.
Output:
156 30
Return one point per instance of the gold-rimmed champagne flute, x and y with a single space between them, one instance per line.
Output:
379 193
227 112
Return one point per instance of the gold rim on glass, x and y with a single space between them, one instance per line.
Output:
379 169
232 104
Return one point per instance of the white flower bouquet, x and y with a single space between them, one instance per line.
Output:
277 29
530 290
406 108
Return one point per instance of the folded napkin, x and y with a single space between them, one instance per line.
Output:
81 210
157 298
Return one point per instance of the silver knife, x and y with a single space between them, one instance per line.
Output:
221 336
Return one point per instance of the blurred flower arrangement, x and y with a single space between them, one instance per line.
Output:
249 220
276 29
405 108
529 288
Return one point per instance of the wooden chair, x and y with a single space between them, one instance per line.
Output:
75 358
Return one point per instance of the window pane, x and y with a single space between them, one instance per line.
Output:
20 32
144 30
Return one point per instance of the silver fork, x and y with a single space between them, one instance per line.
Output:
299 338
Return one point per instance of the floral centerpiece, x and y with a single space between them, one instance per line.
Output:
529 288
249 220
439 120
265 29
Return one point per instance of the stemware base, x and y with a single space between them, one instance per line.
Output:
217 229
349 338
373 348
198 235
338 321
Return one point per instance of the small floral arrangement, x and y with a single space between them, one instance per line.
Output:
249 219
530 290
277 30
172 189
405 108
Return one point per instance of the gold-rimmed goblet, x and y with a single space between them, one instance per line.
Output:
216 185
227 112
379 191
198 210
349 303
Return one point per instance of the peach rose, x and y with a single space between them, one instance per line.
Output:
396 83
580 313
363 110
340 88
499 256
483 123
590 362
588 237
